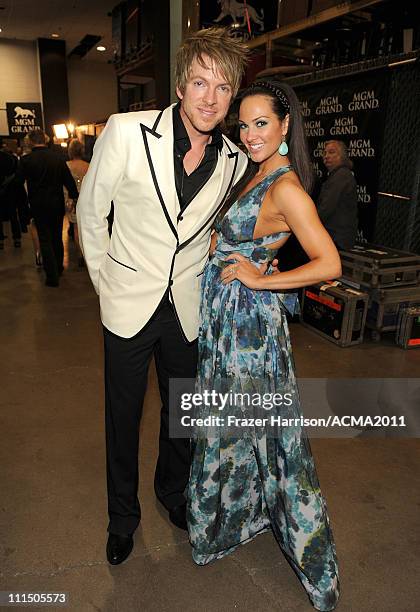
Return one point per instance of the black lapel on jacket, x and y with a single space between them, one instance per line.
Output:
144 130
231 155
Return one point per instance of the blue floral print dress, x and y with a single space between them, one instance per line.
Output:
260 480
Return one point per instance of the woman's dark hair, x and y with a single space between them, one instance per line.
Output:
284 102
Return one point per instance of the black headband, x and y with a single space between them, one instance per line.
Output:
276 91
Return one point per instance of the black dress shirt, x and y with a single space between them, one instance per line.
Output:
187 186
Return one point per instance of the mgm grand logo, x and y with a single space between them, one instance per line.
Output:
306 111
313 128
363 100
24 119
361 238
24 113
344 125
361 147
319 149
329 105
317 170
363 196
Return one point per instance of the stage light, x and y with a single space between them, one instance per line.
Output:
60 131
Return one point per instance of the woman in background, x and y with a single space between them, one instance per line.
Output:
78 168
262 478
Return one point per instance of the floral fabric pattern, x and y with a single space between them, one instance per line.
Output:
240 487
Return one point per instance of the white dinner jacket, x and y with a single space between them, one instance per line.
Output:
153 247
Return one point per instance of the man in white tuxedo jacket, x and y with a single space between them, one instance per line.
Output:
168 173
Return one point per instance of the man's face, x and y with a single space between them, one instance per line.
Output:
332 156
206 99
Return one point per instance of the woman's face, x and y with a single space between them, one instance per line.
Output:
260 129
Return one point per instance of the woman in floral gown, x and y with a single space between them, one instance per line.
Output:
262 478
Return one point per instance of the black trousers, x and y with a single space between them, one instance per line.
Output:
50 230
14 224
126 368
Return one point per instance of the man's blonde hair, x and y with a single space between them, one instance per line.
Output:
227 53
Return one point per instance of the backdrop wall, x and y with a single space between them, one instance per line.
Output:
92 85
351 109
93 93
19 76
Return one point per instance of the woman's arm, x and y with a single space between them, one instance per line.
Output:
299 212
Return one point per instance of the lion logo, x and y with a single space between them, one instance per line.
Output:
236 10
23 113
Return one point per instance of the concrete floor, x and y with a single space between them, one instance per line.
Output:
53 505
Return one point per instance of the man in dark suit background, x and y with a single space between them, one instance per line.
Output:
8 165
13 199
337 201
45 173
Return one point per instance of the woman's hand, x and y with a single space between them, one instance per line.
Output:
243 270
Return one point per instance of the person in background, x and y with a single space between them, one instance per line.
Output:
78 168
45 173
13 202
35 243
337 202
8 164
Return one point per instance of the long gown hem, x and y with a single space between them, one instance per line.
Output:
239 485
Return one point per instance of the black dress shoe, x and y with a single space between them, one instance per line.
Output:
118 548
177 516
51 283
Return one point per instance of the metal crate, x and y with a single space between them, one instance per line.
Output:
408 330
336 312
375 266
385 306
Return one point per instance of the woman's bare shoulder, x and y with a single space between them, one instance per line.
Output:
288 191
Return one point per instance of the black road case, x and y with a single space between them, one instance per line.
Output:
374 266
334 311
385 305
408 329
